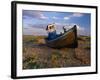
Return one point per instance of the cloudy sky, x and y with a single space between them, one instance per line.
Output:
35 22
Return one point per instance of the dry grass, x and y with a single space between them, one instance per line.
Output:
37 55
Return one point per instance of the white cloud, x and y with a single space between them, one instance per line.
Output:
77 15
43 17
73 15
80 28
34 14
66 18
55 17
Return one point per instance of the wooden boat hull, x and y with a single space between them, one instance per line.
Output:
68 39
